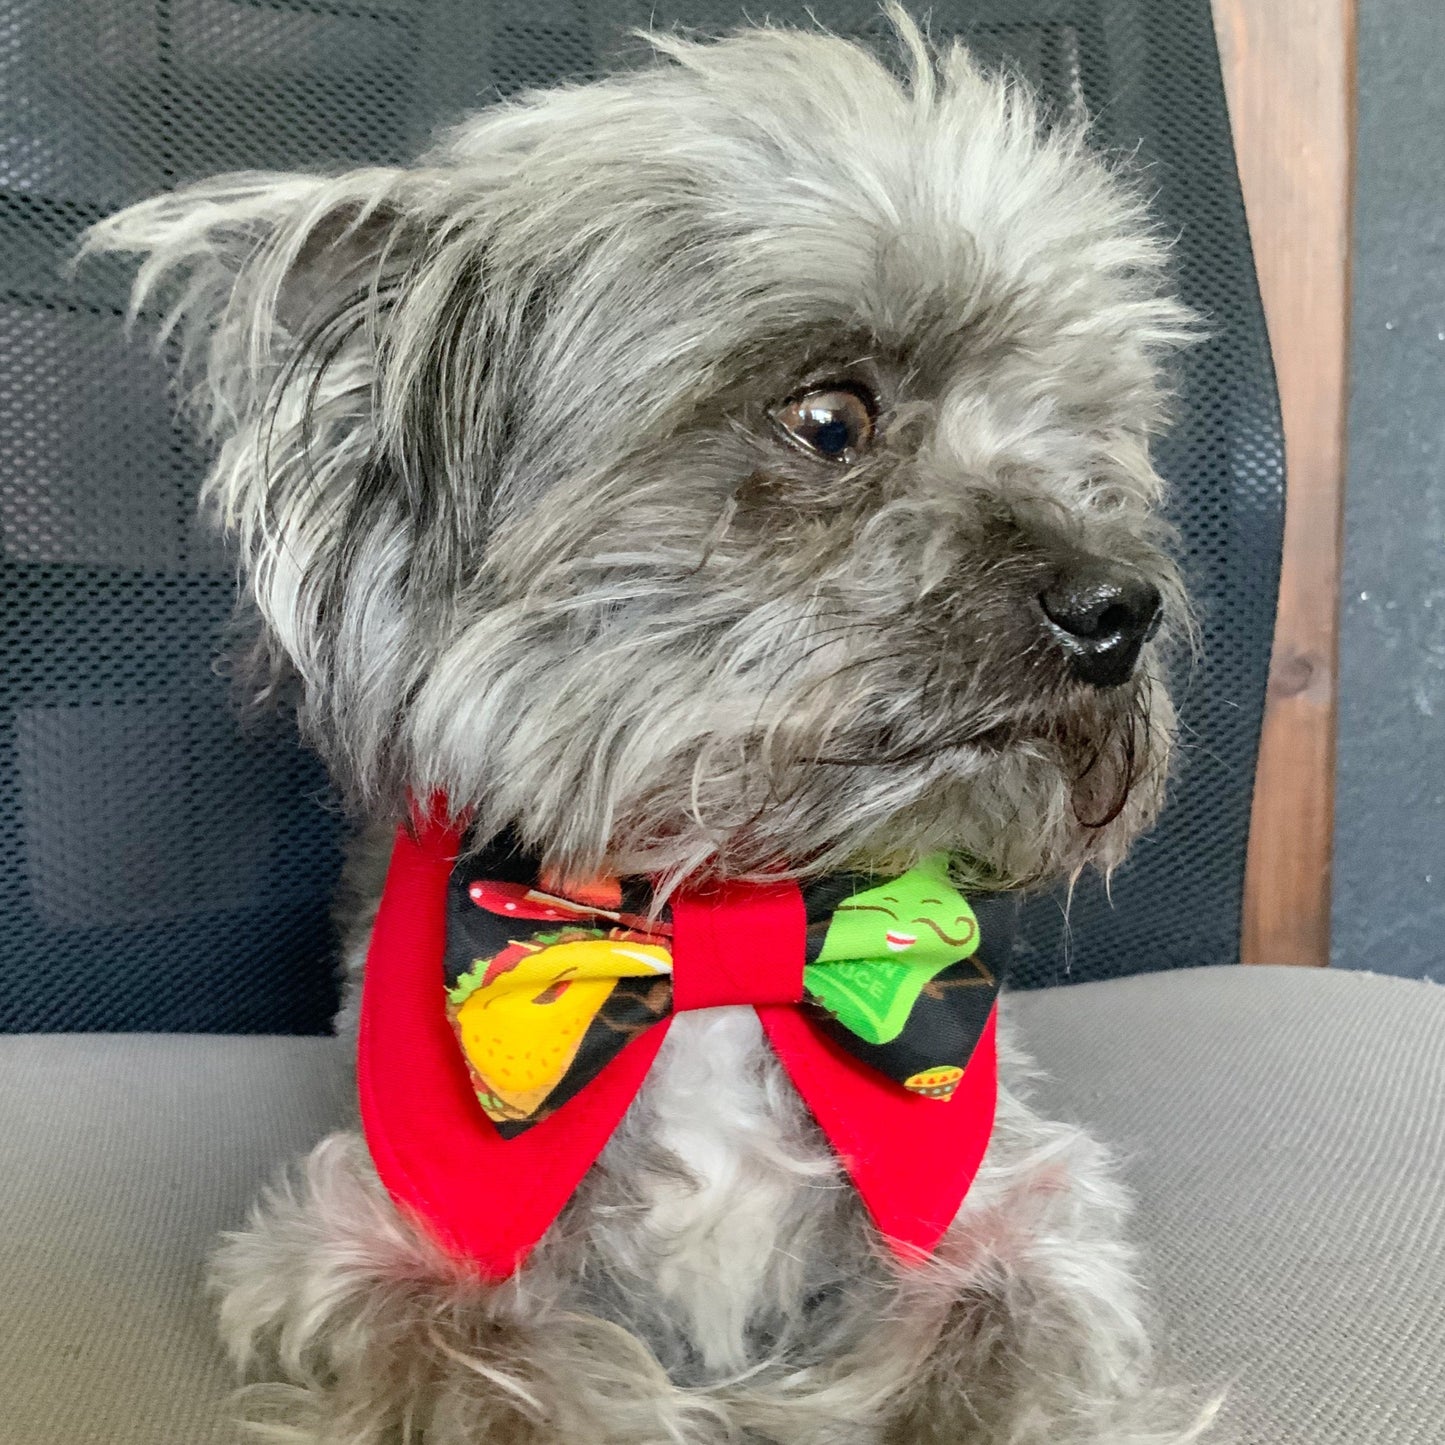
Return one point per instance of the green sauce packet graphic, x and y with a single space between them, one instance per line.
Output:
885 944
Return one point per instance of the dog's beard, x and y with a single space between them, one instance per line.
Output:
640 753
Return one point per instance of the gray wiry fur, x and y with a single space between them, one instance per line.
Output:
494 437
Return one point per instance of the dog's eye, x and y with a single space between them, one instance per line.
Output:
834 422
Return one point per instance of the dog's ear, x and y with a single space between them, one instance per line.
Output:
356 347
279 294
247 272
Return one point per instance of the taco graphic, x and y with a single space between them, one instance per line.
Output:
521 1016
937 1083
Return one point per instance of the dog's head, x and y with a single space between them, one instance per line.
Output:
740 463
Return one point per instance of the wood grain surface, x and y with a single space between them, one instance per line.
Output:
1289 71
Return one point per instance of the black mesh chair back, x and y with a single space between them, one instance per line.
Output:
164 868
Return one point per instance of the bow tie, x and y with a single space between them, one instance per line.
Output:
508 1021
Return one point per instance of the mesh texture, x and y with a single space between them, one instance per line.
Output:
166 869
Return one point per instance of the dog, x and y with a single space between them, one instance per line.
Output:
735 463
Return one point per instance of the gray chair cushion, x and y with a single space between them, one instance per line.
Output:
121 1157
1282 1129
1284 1132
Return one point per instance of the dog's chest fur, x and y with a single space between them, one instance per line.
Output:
730 1205
721 1228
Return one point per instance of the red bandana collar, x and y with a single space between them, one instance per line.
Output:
488 1188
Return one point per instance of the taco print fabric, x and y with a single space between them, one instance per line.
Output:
546 983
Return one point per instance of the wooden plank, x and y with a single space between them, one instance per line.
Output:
1290 74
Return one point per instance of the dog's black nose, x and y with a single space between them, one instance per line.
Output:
1102 613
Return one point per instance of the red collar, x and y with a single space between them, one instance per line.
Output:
488 1199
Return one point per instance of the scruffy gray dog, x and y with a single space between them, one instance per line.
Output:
743 459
